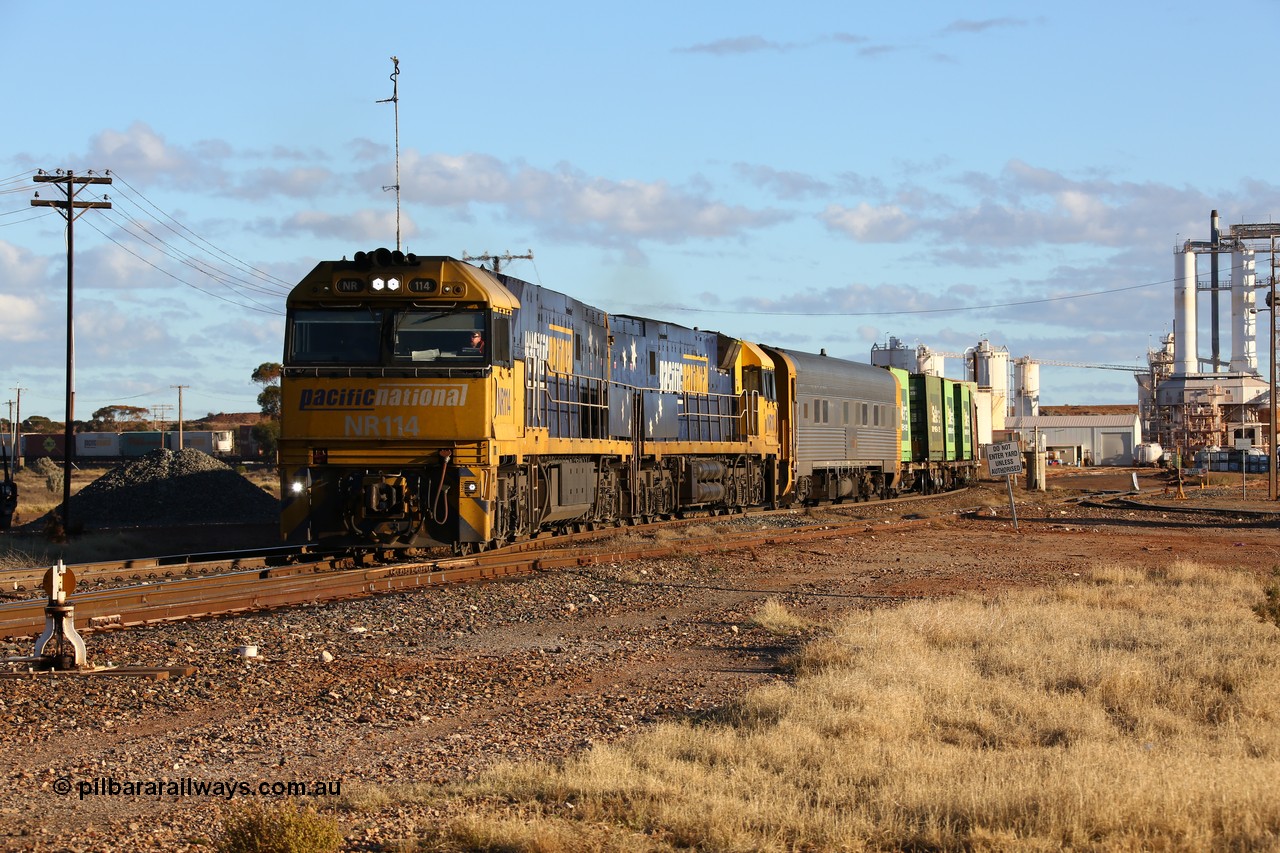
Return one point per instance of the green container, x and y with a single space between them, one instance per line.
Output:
928 419
904 411
964 421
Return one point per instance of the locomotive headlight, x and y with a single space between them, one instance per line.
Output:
393 284
297 487
470 487
378 284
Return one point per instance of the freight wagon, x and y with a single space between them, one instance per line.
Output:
108 447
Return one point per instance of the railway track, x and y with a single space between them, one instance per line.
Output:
245 584
27 578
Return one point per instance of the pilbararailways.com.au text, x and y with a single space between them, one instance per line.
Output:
228 789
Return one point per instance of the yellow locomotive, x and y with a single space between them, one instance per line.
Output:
426 401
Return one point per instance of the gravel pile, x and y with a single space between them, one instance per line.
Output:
168 487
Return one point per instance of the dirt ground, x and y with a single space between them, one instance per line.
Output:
436 684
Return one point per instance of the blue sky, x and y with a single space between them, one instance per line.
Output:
810 175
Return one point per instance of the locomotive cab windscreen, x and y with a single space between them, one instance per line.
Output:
389 337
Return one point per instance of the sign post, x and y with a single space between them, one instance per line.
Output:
1005 460
1244 445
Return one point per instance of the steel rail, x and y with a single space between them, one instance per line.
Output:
27 578
238 592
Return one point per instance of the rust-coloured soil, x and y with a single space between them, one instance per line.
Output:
436 684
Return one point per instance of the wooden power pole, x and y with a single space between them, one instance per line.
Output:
71 209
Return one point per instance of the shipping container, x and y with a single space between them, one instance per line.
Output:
246 444
134 444
96 445
904 410
950 429
928 434
39 444
964 421
213 442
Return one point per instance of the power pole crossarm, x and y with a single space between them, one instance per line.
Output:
498 259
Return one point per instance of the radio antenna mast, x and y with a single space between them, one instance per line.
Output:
394 100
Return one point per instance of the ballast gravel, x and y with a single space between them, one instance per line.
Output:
394 694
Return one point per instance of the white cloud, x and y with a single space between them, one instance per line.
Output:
568 204
352 228
867 224
19 319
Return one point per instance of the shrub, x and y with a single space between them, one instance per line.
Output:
1268 610
278 829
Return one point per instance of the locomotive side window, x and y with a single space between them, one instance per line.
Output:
426 335
336 336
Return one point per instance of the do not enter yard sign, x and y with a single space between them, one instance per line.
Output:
1004 459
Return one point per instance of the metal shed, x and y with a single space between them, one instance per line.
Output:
1081 439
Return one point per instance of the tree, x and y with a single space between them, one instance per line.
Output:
39 423
267 375
108 416
269 401
267 434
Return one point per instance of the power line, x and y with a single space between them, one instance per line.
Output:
158 269
1047 299
166 218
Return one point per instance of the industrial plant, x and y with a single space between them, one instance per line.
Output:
1192 405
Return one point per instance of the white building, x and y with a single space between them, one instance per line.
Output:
1077 439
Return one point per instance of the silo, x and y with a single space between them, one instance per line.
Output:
990 369
1244 335
1184 312
930 362
894 354
1026 387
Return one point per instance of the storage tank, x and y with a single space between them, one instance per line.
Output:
1147 453
929 362
1244 334
894 354
1185 359
1026 385
990 368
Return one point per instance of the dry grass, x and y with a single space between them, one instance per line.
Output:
1132 711
774 617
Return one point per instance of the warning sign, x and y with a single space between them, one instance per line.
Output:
1004 459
